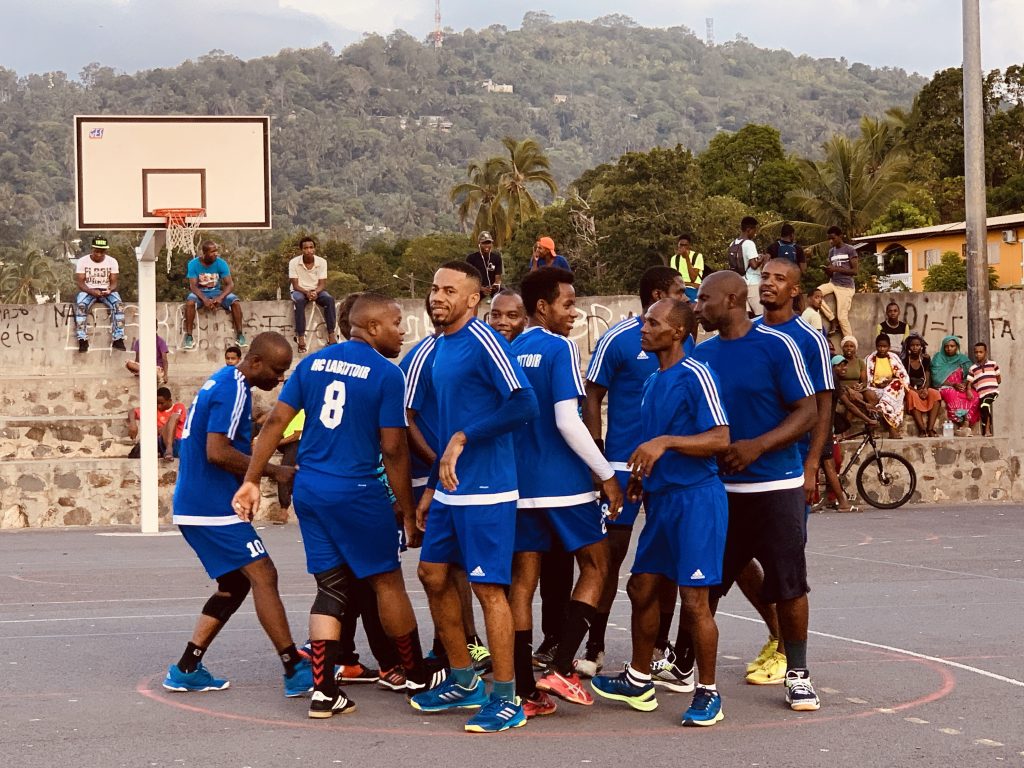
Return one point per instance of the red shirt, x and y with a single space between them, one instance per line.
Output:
162 417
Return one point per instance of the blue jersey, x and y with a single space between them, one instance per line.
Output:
621 366
550 472
419 396
682 400
759 375
813 349
223 406
473 375
349 392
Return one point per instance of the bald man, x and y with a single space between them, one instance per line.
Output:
354 400
214 453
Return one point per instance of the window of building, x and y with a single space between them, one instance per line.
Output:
993 252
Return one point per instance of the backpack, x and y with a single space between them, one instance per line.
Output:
786 250
736 262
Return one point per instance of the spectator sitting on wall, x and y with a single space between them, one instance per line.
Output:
162 362
544 255
308 276
232 355
170 423
210 284
96 275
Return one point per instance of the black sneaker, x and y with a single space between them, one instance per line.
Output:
323 706
118 345
544 656
83 345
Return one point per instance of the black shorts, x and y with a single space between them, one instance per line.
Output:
768 527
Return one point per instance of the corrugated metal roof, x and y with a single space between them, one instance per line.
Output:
993 222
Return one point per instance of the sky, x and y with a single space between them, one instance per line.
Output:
920 36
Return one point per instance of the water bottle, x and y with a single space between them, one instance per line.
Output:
947 428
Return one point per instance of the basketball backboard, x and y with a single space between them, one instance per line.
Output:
127 166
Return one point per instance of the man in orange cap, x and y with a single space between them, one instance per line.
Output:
544 255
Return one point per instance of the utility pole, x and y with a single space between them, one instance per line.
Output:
974 179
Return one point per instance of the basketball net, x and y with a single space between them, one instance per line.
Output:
182 224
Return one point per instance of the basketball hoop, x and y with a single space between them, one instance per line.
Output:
182 224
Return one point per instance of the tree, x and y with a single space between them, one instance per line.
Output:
950 274
21 281
527 166
477 198
749 165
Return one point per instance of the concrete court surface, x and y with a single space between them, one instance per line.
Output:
917 655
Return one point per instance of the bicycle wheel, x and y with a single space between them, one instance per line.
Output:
886 480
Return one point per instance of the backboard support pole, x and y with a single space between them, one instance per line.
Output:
149 472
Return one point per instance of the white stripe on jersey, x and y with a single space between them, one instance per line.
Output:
236 411
574 355
602 345
826 358
766 485
497 355
416 369
205 521
547 502
795 354
474 499
707 385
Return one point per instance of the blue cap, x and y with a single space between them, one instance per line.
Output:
837 359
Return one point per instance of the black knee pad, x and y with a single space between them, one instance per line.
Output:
232 589
332 592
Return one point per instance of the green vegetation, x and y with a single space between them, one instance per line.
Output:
950 274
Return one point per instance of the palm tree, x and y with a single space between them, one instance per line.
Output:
478 198
528 165
22 281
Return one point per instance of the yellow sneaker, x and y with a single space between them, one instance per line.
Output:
772 672
766 651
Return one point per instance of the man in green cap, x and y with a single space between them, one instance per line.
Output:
96 275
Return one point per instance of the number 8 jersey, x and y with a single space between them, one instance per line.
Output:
349 392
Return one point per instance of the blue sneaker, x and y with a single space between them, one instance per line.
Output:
301 681
705 709
196 681
450 695
497 715
620 688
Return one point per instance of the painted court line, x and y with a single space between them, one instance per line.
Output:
917 567
894 649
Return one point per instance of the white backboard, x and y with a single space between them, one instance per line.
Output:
127 166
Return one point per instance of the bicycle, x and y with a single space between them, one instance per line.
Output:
885 480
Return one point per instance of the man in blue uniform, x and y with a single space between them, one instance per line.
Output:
770 399
214 453
683 426
470 514
618 369
354 399
555 456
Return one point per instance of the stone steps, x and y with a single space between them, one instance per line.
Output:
68 437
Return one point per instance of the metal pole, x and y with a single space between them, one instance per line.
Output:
149 471
974 179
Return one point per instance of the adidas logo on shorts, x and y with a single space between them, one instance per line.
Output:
478 571
697 574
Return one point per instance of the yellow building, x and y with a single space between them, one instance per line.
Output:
905 256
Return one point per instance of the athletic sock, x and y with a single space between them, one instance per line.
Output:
522 660
437 648
504 690
463 676
289 657
410 655
664 627
323 655
639 679
684 649
796 654
190 658
578 618
711 687
598 625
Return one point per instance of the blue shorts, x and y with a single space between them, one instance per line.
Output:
576 527
630 509
478 539
224 548
346 523
684 536
226 302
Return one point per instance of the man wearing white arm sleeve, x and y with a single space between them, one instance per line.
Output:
577 437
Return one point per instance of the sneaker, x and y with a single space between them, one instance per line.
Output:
323 706
301 681
450 695
305 651
356 673
538 705
435 673
545 653
83 345
196 681
189 342
241 341
591 664
118 344
800 693
667 674
705 709
481 657
766 651
392 679
497 715
772 672
566 687
619 688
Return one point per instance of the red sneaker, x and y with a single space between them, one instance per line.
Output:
356 673
567 687
539 704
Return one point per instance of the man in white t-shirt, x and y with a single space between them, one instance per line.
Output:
752 261
308 276
96 275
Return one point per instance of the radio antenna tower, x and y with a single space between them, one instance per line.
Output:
438 35
709 24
